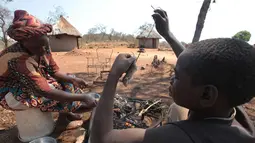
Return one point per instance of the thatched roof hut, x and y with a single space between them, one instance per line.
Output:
64 36
148 38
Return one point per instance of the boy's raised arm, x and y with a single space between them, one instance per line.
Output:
162 25
102 129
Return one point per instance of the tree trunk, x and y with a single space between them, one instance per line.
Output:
102 38
201 20
5 40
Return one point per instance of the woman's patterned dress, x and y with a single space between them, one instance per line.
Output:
21 75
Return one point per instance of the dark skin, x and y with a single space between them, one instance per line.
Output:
162 25
205 100
37 46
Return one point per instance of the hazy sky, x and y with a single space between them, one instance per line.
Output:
224 19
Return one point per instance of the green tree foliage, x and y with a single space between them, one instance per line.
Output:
243 35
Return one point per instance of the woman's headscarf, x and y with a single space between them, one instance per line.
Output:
25 26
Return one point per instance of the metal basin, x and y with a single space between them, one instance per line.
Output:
44 140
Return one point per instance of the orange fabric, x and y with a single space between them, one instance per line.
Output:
28 66
25 26
25 65
23 18
52 63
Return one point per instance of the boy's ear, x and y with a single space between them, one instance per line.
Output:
209 96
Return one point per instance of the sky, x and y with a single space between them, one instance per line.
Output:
224 19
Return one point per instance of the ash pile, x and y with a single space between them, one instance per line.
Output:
138 113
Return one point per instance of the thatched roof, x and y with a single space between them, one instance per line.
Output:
64 27
149 33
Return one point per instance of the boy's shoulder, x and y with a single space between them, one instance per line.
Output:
165 134
213 131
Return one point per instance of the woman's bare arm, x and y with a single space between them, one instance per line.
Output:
63 96
60 76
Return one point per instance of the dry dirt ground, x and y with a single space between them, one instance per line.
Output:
147 83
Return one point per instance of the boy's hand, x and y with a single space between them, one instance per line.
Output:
161 22
121 64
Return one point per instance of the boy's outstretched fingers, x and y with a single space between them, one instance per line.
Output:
157 17
122 63
161 12
161 22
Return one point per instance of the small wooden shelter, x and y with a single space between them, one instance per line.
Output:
64 37
148 38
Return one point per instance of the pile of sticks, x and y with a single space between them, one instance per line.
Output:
137 113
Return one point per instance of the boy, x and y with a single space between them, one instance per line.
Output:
212 78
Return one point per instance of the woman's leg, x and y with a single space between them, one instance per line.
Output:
72 110
68 87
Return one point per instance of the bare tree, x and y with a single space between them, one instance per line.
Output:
110 35
144 27
91 34
98 33
5 18
201 19
54 15
102 29
6 1
118 35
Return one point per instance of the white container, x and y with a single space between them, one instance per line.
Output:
13 103
44 140
31 122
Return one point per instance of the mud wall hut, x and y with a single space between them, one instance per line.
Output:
64 37
148 38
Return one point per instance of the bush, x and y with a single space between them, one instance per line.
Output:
243 35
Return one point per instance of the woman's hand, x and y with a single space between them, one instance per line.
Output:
121 64
78 82
161 21
90 101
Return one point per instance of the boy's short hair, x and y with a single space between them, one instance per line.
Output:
228 64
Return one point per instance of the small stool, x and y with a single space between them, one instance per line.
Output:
31 122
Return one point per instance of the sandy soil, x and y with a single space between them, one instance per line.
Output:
147 83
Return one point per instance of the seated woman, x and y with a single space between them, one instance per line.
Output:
30 73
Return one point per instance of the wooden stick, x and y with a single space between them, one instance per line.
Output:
145 110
